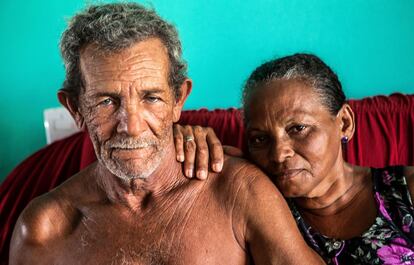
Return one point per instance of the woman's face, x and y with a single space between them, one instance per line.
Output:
294 138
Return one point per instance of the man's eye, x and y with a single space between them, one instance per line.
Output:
106 102
152 99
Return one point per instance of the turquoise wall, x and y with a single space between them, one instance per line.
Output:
370 44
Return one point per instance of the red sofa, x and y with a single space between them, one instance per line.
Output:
384 136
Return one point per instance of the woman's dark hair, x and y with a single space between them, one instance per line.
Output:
307 68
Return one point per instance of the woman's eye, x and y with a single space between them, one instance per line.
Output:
297 128
257 140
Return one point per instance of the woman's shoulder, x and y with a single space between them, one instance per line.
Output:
409 176
395 182
409 172
390 175
392 170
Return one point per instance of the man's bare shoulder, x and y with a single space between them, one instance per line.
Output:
252 192
235 167
239 174
51 215
47 219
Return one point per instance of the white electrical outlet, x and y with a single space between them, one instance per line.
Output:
58 124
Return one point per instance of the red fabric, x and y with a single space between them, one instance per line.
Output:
227 124
384 136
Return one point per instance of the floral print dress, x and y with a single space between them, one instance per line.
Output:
389 241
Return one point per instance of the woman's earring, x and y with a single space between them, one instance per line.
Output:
344 140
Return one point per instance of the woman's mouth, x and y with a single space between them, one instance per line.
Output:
288 174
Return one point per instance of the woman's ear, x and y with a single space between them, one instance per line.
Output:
347 122
185 90
67 101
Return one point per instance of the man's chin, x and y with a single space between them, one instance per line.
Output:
132 168
128 175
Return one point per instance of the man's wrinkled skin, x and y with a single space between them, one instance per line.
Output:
135 206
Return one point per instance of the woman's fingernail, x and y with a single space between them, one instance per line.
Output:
180 158
202 174
217 167
189 173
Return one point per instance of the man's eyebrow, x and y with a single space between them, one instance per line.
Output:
114 95
103 94
152 91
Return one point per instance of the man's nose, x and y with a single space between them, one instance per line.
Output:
281 150
130 119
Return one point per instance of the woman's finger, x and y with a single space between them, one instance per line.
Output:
179 142
202 152
216 151
189 151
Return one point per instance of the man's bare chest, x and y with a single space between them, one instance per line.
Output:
183 235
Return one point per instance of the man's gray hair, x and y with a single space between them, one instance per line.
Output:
114 27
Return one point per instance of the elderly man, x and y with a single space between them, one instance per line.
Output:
126 84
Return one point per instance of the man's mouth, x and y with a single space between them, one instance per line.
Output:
129 148
127 153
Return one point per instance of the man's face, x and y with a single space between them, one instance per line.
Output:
128 106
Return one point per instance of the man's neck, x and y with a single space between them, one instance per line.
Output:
137 193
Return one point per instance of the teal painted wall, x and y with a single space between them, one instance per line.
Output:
369 43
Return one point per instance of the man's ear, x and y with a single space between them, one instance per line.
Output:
67 101
347 121
185 90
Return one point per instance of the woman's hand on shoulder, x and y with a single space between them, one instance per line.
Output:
199 148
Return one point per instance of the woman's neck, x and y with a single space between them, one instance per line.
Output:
339 193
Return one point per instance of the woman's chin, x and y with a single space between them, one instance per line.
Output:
297 186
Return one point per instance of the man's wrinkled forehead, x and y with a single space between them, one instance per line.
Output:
147 58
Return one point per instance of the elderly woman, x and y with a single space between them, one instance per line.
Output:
297 124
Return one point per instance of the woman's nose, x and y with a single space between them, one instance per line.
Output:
281 150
